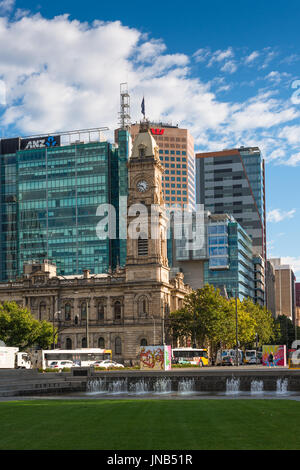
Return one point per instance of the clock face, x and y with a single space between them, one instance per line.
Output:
142 186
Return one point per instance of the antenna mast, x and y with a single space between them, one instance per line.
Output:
124 119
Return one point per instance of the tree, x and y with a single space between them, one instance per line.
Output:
285 331
203 317
209 317
264 322
18 327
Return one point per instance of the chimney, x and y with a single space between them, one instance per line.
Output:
86 274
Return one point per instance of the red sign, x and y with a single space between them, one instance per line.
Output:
157 131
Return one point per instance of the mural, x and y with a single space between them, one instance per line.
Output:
155 357
274 355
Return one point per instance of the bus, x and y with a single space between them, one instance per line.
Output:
84 357
193 356
228 353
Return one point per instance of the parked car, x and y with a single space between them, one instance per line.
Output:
227 361
108 364
59 365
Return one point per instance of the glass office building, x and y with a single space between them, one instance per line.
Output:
233 182
230 262
50 191
225 259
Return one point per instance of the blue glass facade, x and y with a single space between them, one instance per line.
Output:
49 199
230 262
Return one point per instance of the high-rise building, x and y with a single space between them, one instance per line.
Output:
297 298
284 289
176 152
51 189
270 288
225 259
233 182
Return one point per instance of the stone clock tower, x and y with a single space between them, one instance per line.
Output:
146 216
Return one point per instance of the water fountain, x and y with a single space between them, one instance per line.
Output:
186 386
139 387
282 386
118 386
257 387
162 385
96 386
232 386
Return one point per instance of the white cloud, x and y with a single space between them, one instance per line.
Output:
277 215
220 56
6 6
294 160
291 134
229 66
250 58
63 74
294 262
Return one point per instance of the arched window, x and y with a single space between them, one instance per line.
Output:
117 310
68 343
118 345
83 311
83 343
100 311
42 310
143 342
67 312
76 320
143 306
101 343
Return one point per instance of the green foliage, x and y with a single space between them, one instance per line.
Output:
285 331
18 327
208 317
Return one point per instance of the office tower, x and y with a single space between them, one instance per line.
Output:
297 296
225 259
270 288
284 289
176 152
233 182
51 188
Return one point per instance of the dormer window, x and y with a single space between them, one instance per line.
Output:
142 152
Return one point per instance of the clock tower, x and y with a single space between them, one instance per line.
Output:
146 215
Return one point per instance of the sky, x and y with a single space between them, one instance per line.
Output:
227 71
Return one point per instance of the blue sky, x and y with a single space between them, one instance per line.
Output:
229 71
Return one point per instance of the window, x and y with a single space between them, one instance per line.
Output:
67 312
68 343
142 247
101 343
83 311
100 311
83 343
118 345
142 306
143 342
42 310
117 310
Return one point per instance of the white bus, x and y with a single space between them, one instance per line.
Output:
84 357
194 356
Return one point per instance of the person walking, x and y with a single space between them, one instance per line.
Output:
271 359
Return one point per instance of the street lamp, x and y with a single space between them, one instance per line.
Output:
53 319
236 330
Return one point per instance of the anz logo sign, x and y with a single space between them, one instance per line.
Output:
40 143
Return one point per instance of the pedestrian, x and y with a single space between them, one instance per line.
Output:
271 359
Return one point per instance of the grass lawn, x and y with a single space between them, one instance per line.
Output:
150 424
